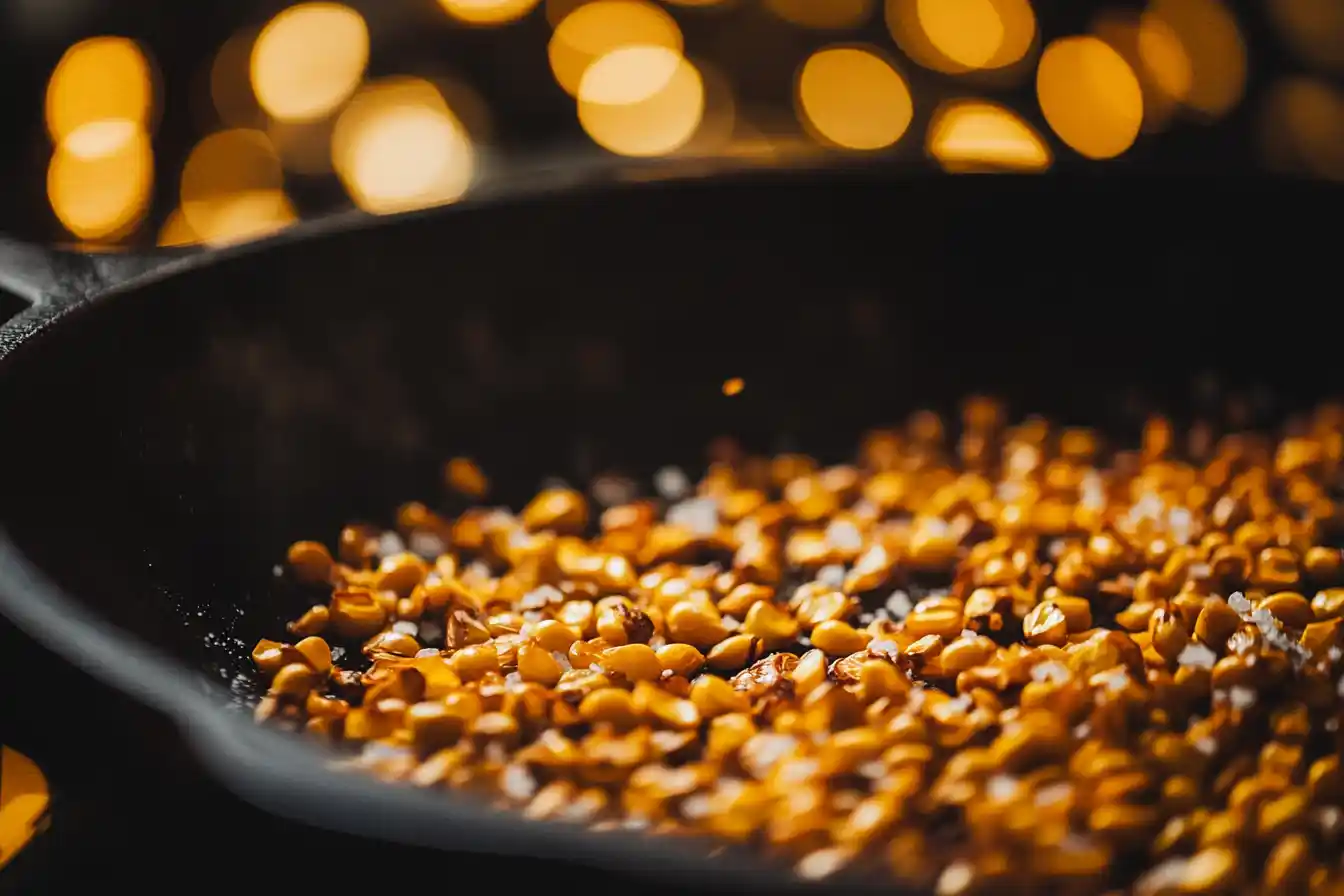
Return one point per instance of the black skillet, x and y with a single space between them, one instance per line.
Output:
172 423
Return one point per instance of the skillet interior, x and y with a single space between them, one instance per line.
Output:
173 439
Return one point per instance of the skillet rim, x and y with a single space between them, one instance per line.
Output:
277 772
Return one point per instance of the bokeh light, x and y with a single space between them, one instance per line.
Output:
397 146
1302 128
641 100
823 14
232 188
1313 28
1090 96
101 178
231 82
960 36
595 29
975 135
853 98
488 12
99 79
1157 57
1212 42
308 60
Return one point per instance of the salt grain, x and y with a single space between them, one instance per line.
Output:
1050 672
1198 656
390 543
956 879
406 627
425 652
843 535
427 544
542 596
823 863
1237 601
430 633
899 605
671 483
700 516
1241 697
1001 788
517 782
832 576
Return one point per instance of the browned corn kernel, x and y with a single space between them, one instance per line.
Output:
633 662
560 509
1289 607
680 659
715 697
775 627
356 614
610 705
1328 604
1045 624
697 624
1168 633
734 653
838 638
463 476
294 681
310 561
1217 623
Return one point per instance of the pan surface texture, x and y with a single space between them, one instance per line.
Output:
168 438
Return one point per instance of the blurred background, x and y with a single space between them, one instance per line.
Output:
174 123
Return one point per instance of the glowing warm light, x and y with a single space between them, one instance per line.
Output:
308 60
734 386
397 147
231 188
973 135
1090 96
699 3
100 179
1163 57
176 231
24 800
1313 28
1303 127
102 78
1212 42
853 98
488 12
959 36
822 14
641 101
230 82
595 29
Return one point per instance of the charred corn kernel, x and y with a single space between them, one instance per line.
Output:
633 662
310 561
680 659
1045 624
715 697
695 624
838 638
773 626
356 614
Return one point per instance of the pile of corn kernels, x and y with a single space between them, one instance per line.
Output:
1023 660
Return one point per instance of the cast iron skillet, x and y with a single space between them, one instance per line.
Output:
172 423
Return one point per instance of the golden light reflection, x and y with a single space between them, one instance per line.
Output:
232 188
853 98
641 101
308 60
1313 28
960 36
596 29
397 147
100 179
1090 96
734 386
974 135
1302 128
24 800
176 231
824 15
102 78
1157 58
1211 39
231 84
488 12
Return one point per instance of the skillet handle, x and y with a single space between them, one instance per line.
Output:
38 275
